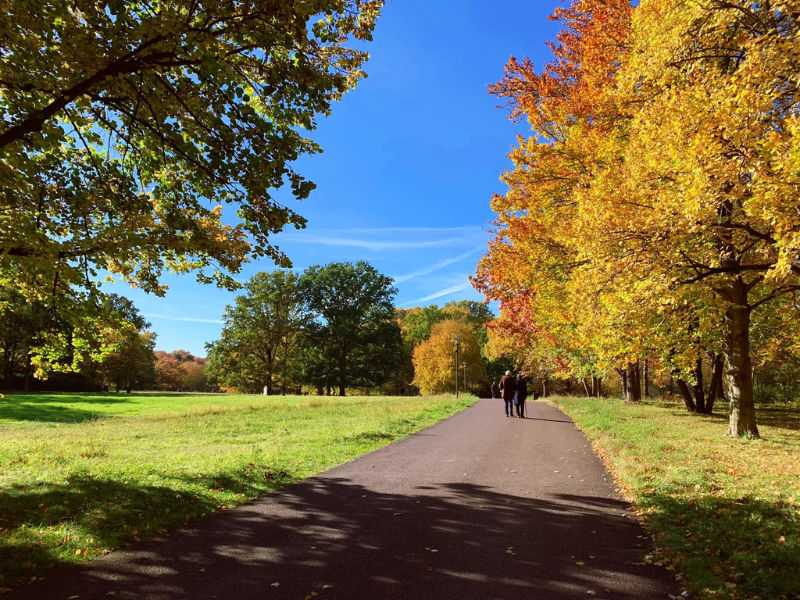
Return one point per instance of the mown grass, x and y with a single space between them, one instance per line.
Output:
724 512
73 407
72 491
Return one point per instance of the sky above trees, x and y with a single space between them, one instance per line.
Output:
411 159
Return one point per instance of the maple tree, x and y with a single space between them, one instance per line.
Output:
654 209
126 127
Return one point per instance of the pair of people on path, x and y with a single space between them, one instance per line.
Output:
514 392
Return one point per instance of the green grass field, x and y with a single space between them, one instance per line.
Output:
82 474
724 512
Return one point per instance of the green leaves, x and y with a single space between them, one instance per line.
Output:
123 124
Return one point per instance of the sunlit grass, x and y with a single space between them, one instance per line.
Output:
725 512
71 491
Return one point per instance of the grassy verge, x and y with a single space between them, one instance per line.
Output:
724 513
69 492
74 407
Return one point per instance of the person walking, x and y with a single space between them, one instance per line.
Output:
520 395
495 390
507 387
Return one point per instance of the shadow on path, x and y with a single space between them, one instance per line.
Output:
466 542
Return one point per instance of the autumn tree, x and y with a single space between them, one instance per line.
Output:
169 371
535 266
658 189
132 361
127 127
435 368
710 161
195 377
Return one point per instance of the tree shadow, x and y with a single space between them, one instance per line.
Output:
750 545
784 418
457 540
55 408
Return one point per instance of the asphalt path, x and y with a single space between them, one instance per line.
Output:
478 506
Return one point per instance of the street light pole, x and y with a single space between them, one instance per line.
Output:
457 341
464 364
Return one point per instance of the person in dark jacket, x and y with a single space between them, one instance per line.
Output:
495 390
520 395
507 387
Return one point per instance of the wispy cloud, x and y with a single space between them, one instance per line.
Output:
376 244
439 294
472 228
435 267
189 319
391 238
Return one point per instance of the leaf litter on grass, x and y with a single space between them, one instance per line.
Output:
716 507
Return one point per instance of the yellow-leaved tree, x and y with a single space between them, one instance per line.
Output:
434 359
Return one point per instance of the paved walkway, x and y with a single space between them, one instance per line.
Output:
477 507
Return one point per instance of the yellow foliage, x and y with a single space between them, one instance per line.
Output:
434 359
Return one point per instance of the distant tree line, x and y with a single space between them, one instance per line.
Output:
335 328
332 328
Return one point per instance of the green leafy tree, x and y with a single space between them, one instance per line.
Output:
125 127
357 335
20 325
260 334
129 361
132 363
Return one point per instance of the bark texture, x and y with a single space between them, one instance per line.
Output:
739 371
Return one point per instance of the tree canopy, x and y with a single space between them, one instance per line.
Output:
651 213
356 333
127 127
261 335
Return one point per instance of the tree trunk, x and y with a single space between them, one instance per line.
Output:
623 378
341 390
646 390
686 395
739 371
28 369
633 390
716 383
544 388
594 386
585 387
320 390
599 387
699 393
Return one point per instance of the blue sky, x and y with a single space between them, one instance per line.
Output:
411 159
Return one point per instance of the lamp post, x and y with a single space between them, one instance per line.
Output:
464 364
457 341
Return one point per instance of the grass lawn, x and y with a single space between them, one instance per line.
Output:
82 474
724 513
